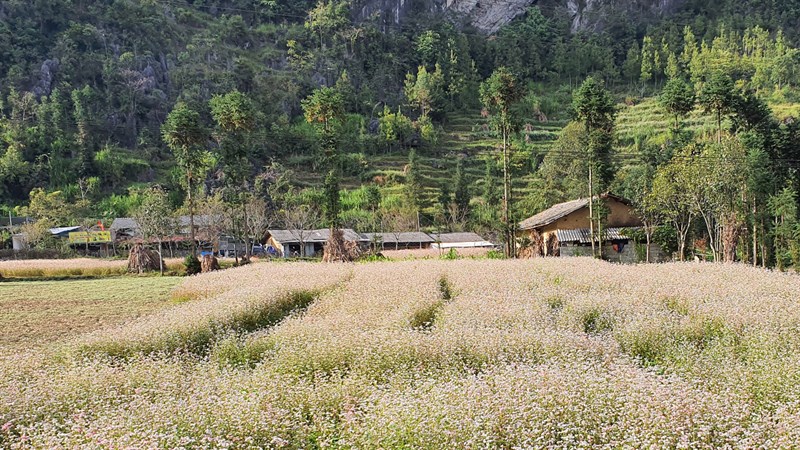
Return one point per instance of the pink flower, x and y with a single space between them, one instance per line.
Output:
6 426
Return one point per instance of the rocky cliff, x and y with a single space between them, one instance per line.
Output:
489 15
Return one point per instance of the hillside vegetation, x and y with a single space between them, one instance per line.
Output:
255 109
547 353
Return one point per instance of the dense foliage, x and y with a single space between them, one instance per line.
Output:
92 93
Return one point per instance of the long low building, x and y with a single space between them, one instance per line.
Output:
400 241
297 243
460 240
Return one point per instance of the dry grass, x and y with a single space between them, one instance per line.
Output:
548 353
35 313
433 253
64 268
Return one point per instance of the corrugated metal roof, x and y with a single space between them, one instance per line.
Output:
583 235
312 236
410 237
61 230
457 238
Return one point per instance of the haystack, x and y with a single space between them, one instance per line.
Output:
143 259
532 246
209 263
339 250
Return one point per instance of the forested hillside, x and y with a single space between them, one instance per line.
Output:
91 90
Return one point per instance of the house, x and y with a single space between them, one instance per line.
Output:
399 241
288 243
459 240
564 230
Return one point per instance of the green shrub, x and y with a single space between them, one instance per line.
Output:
192 265
451 255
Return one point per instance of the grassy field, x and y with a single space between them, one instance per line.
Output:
35 313
556 353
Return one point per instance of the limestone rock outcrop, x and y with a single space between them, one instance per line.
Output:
490 15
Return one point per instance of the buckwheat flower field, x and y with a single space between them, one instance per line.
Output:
550 353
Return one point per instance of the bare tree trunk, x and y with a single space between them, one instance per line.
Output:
160 259
591 210
755 239
191 218
711 233
506 221
730 238
248 248
647 234
763 246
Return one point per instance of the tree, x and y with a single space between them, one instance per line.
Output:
301 219
235 116
258 218
325 109
461 195
677 98
783 207
397 221
632 67
155 219
499 93
395 128
717 96
49 208
670 197
185 135
595 108
413 184
648 54
425 90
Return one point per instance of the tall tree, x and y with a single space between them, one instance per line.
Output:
155 219
595 108
425 89
413 184
461 194
186 136
677 98
235 117
717 96
670 197
324 108
499 93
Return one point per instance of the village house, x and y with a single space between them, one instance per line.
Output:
564 230
296 243
126 231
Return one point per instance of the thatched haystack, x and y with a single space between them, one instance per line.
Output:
141 260
533 246
337 249
209 263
